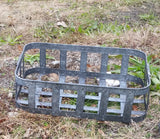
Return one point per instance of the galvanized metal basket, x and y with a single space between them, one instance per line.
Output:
83 81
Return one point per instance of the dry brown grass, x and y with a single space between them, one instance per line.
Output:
21 18
144 39
26 125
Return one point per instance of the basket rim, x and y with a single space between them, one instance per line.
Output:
40 44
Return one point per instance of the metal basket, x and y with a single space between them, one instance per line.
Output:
103 84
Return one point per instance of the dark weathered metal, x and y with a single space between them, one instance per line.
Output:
34 89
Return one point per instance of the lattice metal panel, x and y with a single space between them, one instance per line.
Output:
83 82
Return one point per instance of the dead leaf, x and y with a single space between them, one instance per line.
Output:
101 132
45 78
92 68
6 137
88 65
54 64
20 48
94 105
12 114
134 107
63 24
53 77
27 134
2 120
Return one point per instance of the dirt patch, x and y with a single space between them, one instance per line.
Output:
22 17
131 14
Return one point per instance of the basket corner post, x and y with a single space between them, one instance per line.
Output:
128 108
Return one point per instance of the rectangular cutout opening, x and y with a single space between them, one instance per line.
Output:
114 64
92 93
73 60
53 77
93 62
45 98
114 95
68 100
47 89
32 59
114 104
91 102
44 107
113 114
133 85
70 92
138 107
72 79
53 58
67 109
90 111
136 67
33 76
44 91
92 81
23 95
112 83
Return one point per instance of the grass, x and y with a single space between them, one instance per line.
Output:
50 32
150 19
35 58
132 2
11 40
19 131
121 23
137 66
